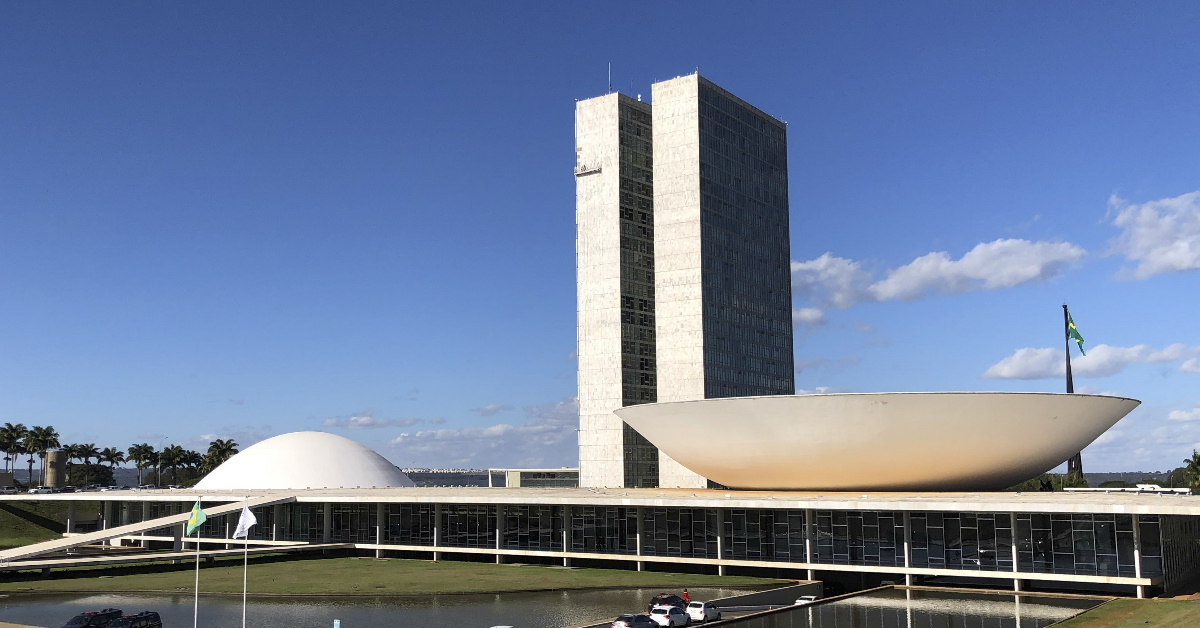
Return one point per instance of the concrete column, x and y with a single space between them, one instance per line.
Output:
380 510
108 511
566 535
810 534
437 531
276 511
1016 560
720 540
1137 554
641 525
326 522
177 540
70 517
227 532
908 577
145 517
501 521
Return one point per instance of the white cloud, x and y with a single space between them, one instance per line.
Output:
1160 236
810 316
365 420
1185 415
990 265
835 281
822 390
547 439
1191 366
492 409
1101 361
839 282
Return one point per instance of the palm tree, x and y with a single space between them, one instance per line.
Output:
88 451
1191 469
40 440
71 452
141 455
219 451
192 460
10 436
112 456
172 456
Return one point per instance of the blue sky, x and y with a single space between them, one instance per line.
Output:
239 220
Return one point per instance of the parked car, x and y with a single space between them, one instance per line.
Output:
669 616
141 620
806 599
41 490
666 599
94 619
147 487
703 611
66 489
634 621
8 490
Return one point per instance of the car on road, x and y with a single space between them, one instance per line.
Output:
806 599
94 619
703 612
8 490
42 490
669 616
666 599
141 620
634 621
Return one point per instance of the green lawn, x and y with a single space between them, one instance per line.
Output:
1125 613
362 576
22 523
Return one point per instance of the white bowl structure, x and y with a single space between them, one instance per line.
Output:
302 460
929 441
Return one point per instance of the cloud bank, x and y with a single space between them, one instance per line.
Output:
1160 236
1101 361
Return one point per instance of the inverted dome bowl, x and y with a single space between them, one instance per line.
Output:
941 441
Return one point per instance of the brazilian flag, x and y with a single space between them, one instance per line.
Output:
196 520
1073 333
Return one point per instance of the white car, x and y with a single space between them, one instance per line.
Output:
702 611
806 599
669 616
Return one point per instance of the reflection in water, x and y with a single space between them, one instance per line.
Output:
927 609
551 609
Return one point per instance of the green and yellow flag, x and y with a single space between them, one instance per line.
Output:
197 519
1073 333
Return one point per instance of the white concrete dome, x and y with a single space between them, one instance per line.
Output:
301 460
877 441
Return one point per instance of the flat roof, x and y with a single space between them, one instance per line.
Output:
1055 502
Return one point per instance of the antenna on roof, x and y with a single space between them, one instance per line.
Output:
610 77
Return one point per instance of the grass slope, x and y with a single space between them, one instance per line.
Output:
1126 613
361 576
22 523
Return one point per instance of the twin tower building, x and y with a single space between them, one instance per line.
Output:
682 258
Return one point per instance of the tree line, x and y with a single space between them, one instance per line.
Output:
17 441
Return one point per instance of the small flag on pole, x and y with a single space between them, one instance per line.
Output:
1073 333
198 517
244 522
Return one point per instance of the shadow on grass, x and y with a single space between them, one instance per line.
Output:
53 525
88 573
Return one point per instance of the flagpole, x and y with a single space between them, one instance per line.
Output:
245 567
196 603
1074 463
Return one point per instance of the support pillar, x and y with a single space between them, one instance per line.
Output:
566 535
908 576
380 509
1016 557
641 525
177 540
501 520
227 533
810 533
145 517
70 517
1137 554
108 509
326 522
437 531
720 541
275 515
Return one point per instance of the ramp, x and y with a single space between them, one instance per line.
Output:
58 545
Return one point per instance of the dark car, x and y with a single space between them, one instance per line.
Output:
666 599
634 621
141 620
93 619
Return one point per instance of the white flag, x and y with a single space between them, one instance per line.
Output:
244 522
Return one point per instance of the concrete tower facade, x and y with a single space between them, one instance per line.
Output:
682 254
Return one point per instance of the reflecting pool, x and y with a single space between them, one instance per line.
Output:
908 608
547 609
